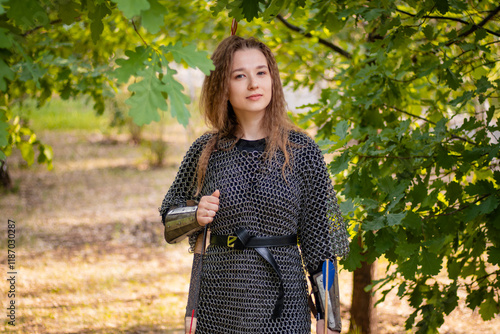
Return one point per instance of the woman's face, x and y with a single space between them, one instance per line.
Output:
250 87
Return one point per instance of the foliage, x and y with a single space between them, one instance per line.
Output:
409 105
73 47
411 109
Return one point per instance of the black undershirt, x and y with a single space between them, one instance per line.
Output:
251 145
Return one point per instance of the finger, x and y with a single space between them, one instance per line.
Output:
216 193
209 202
213 200
213 207
205 220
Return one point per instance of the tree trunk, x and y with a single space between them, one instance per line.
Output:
5 181
362 312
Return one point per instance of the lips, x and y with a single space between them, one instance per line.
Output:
254 97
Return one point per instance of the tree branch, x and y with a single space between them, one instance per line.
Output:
437 17
137 32
393 157
410 114
476 26
453 136
459 209
28 32
322 41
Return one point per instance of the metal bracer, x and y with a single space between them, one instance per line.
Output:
181 223
334 320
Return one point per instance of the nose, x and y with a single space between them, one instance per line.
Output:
253 84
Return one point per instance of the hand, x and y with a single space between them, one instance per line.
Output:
187 325
207 208
320 328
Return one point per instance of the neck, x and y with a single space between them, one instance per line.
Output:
250 128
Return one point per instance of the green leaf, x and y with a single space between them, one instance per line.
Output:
96 26
131 8
27 152
429 32
339 164
219 6
135 62
494 255
27 14
5 73
431 263
4 126
5 38
442 6
355 256
153 18
488 205
483 85
373 13
192 57
480 34
177 99
490 113
489 307
384 240
68 11
273 9
2 9
341 129
147 98
394 219
452 80
475 297
418 193
409 268
453 192
454 268
406 249
375 224
347 207
250 9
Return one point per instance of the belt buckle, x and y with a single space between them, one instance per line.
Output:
231 239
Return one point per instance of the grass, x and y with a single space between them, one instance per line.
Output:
59 115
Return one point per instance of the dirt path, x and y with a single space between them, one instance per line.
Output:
90 252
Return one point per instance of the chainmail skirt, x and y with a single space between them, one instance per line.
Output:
239 290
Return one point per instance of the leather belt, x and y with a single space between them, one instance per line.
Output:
242 239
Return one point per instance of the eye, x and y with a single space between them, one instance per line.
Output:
239 76
262 73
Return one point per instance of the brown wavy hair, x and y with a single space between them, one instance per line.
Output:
219 114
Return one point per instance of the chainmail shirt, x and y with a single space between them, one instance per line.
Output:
238 287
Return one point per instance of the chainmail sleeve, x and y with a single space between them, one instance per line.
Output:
183 188
322 231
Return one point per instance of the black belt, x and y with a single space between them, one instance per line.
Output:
243 239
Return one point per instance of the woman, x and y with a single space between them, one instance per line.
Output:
261 185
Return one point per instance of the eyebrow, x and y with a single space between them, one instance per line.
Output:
243 68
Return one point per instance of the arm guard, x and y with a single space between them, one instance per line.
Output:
181 223
334 321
